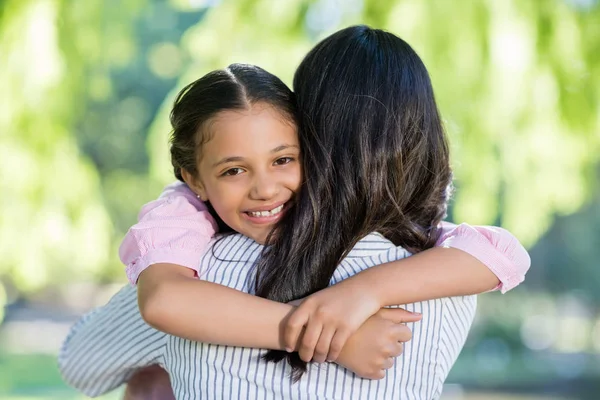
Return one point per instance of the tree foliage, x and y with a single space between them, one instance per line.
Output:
86 87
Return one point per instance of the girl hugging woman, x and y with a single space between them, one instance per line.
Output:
299 219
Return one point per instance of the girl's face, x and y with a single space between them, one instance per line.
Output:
250 168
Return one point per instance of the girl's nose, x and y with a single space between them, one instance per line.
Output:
264 187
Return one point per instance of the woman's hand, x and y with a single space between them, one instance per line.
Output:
150 383
374 347
322 323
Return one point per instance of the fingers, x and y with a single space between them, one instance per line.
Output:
378 370
337 343
309 340
293 330
388 363
324 345
396 349
399 315
374 375
403 333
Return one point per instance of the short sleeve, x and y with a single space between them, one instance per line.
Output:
495 247
176 228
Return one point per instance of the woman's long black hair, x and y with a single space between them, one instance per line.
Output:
375 158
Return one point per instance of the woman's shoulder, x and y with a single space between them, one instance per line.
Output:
373 245
372 250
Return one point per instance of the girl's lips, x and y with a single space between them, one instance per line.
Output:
266 208
264 217
266 213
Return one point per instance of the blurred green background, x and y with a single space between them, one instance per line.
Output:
85 87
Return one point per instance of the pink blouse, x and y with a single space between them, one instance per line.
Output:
177 227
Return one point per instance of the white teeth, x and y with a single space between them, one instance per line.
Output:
274 211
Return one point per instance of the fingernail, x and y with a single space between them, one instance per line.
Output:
288 349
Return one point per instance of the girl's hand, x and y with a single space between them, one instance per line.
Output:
374 347
325 320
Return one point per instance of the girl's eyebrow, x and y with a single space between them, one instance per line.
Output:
227 160
284 147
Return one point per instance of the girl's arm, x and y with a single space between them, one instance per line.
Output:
172 300
495 248
466 260
496 258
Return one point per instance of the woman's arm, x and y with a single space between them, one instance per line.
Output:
108 345
105 346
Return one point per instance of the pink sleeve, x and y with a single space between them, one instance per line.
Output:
175 229
495 247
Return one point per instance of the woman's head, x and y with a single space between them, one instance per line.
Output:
374 153
235 143
366 98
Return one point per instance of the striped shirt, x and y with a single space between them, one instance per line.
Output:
107 345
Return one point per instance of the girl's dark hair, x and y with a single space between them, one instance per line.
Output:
375 158
236 87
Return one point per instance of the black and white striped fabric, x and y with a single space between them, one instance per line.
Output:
108 344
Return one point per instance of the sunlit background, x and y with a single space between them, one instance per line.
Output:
85 87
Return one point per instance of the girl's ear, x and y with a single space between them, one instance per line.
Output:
194 183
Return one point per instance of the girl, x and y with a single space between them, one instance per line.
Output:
173 233
373 194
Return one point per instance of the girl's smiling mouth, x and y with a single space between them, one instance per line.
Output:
267 214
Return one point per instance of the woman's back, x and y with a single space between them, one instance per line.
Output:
205 371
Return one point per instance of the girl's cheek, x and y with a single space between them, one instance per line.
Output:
231 193
296 177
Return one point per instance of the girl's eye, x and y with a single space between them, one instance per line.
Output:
232 172
283 160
